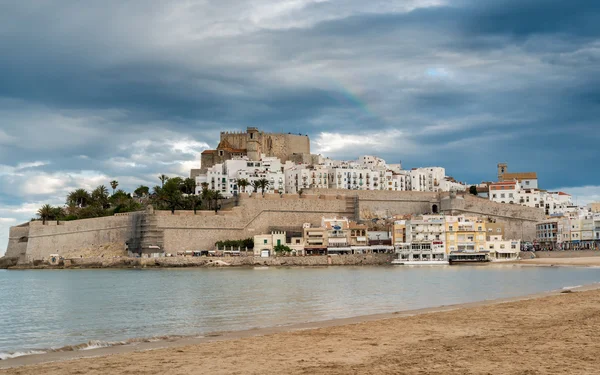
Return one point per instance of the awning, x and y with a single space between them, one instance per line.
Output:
338 240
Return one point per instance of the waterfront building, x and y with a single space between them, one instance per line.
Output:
264 244
465 234
547 234
503 250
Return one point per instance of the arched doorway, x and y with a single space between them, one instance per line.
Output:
434 209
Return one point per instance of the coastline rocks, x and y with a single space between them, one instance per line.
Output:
6 262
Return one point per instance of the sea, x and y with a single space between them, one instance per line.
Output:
55 310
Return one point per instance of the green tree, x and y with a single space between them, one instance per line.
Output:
163 179
473 189
45 213
207 196
80 197
217 196
242 184
255 185
100 197
263 184
170 194
194 202
57 214
189 186
282 249
142 191
114 184
120 198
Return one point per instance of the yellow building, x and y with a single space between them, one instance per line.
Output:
465 234
399 233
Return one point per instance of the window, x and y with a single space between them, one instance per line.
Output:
526 182
494 196
265 242
502 195
502 246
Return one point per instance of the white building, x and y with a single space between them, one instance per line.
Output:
303 176
224 177
503 250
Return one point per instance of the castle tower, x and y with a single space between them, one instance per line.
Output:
252 144
502 169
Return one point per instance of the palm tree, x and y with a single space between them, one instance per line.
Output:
57 214
263 183
216 196
100 196
114 184
80 197
142 191
255 185
45 213
207 196
189 186
163 179
242 184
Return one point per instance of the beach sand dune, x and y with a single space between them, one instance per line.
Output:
557 334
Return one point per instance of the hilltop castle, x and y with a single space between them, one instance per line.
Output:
254 143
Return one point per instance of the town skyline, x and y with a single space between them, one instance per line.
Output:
117 93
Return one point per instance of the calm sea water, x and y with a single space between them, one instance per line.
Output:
55 308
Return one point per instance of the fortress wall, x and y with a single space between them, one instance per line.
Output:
17 242
237 140
382 203
519 221
80 237
256 215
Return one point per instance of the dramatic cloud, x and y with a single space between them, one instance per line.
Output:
130 90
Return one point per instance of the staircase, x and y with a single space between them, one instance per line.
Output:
352 207
144 232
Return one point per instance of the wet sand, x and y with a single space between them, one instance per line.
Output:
549 333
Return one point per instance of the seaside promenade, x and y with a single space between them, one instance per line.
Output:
552 333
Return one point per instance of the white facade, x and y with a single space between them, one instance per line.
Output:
427 233
303 176
511 192
503 250
224 177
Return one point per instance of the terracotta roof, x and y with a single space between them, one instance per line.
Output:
561 193
504 183
209 151
520 176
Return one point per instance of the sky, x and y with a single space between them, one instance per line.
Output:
129 90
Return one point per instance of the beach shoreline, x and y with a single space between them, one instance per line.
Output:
172 343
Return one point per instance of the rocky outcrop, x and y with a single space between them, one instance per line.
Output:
6 262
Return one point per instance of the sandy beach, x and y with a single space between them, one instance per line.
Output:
554 333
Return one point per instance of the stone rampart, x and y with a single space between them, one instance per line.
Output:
105 235
383 203
255 215
18 238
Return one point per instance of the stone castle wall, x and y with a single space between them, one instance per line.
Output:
105 235
382 203
18 238
281 145
519 222
255 215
